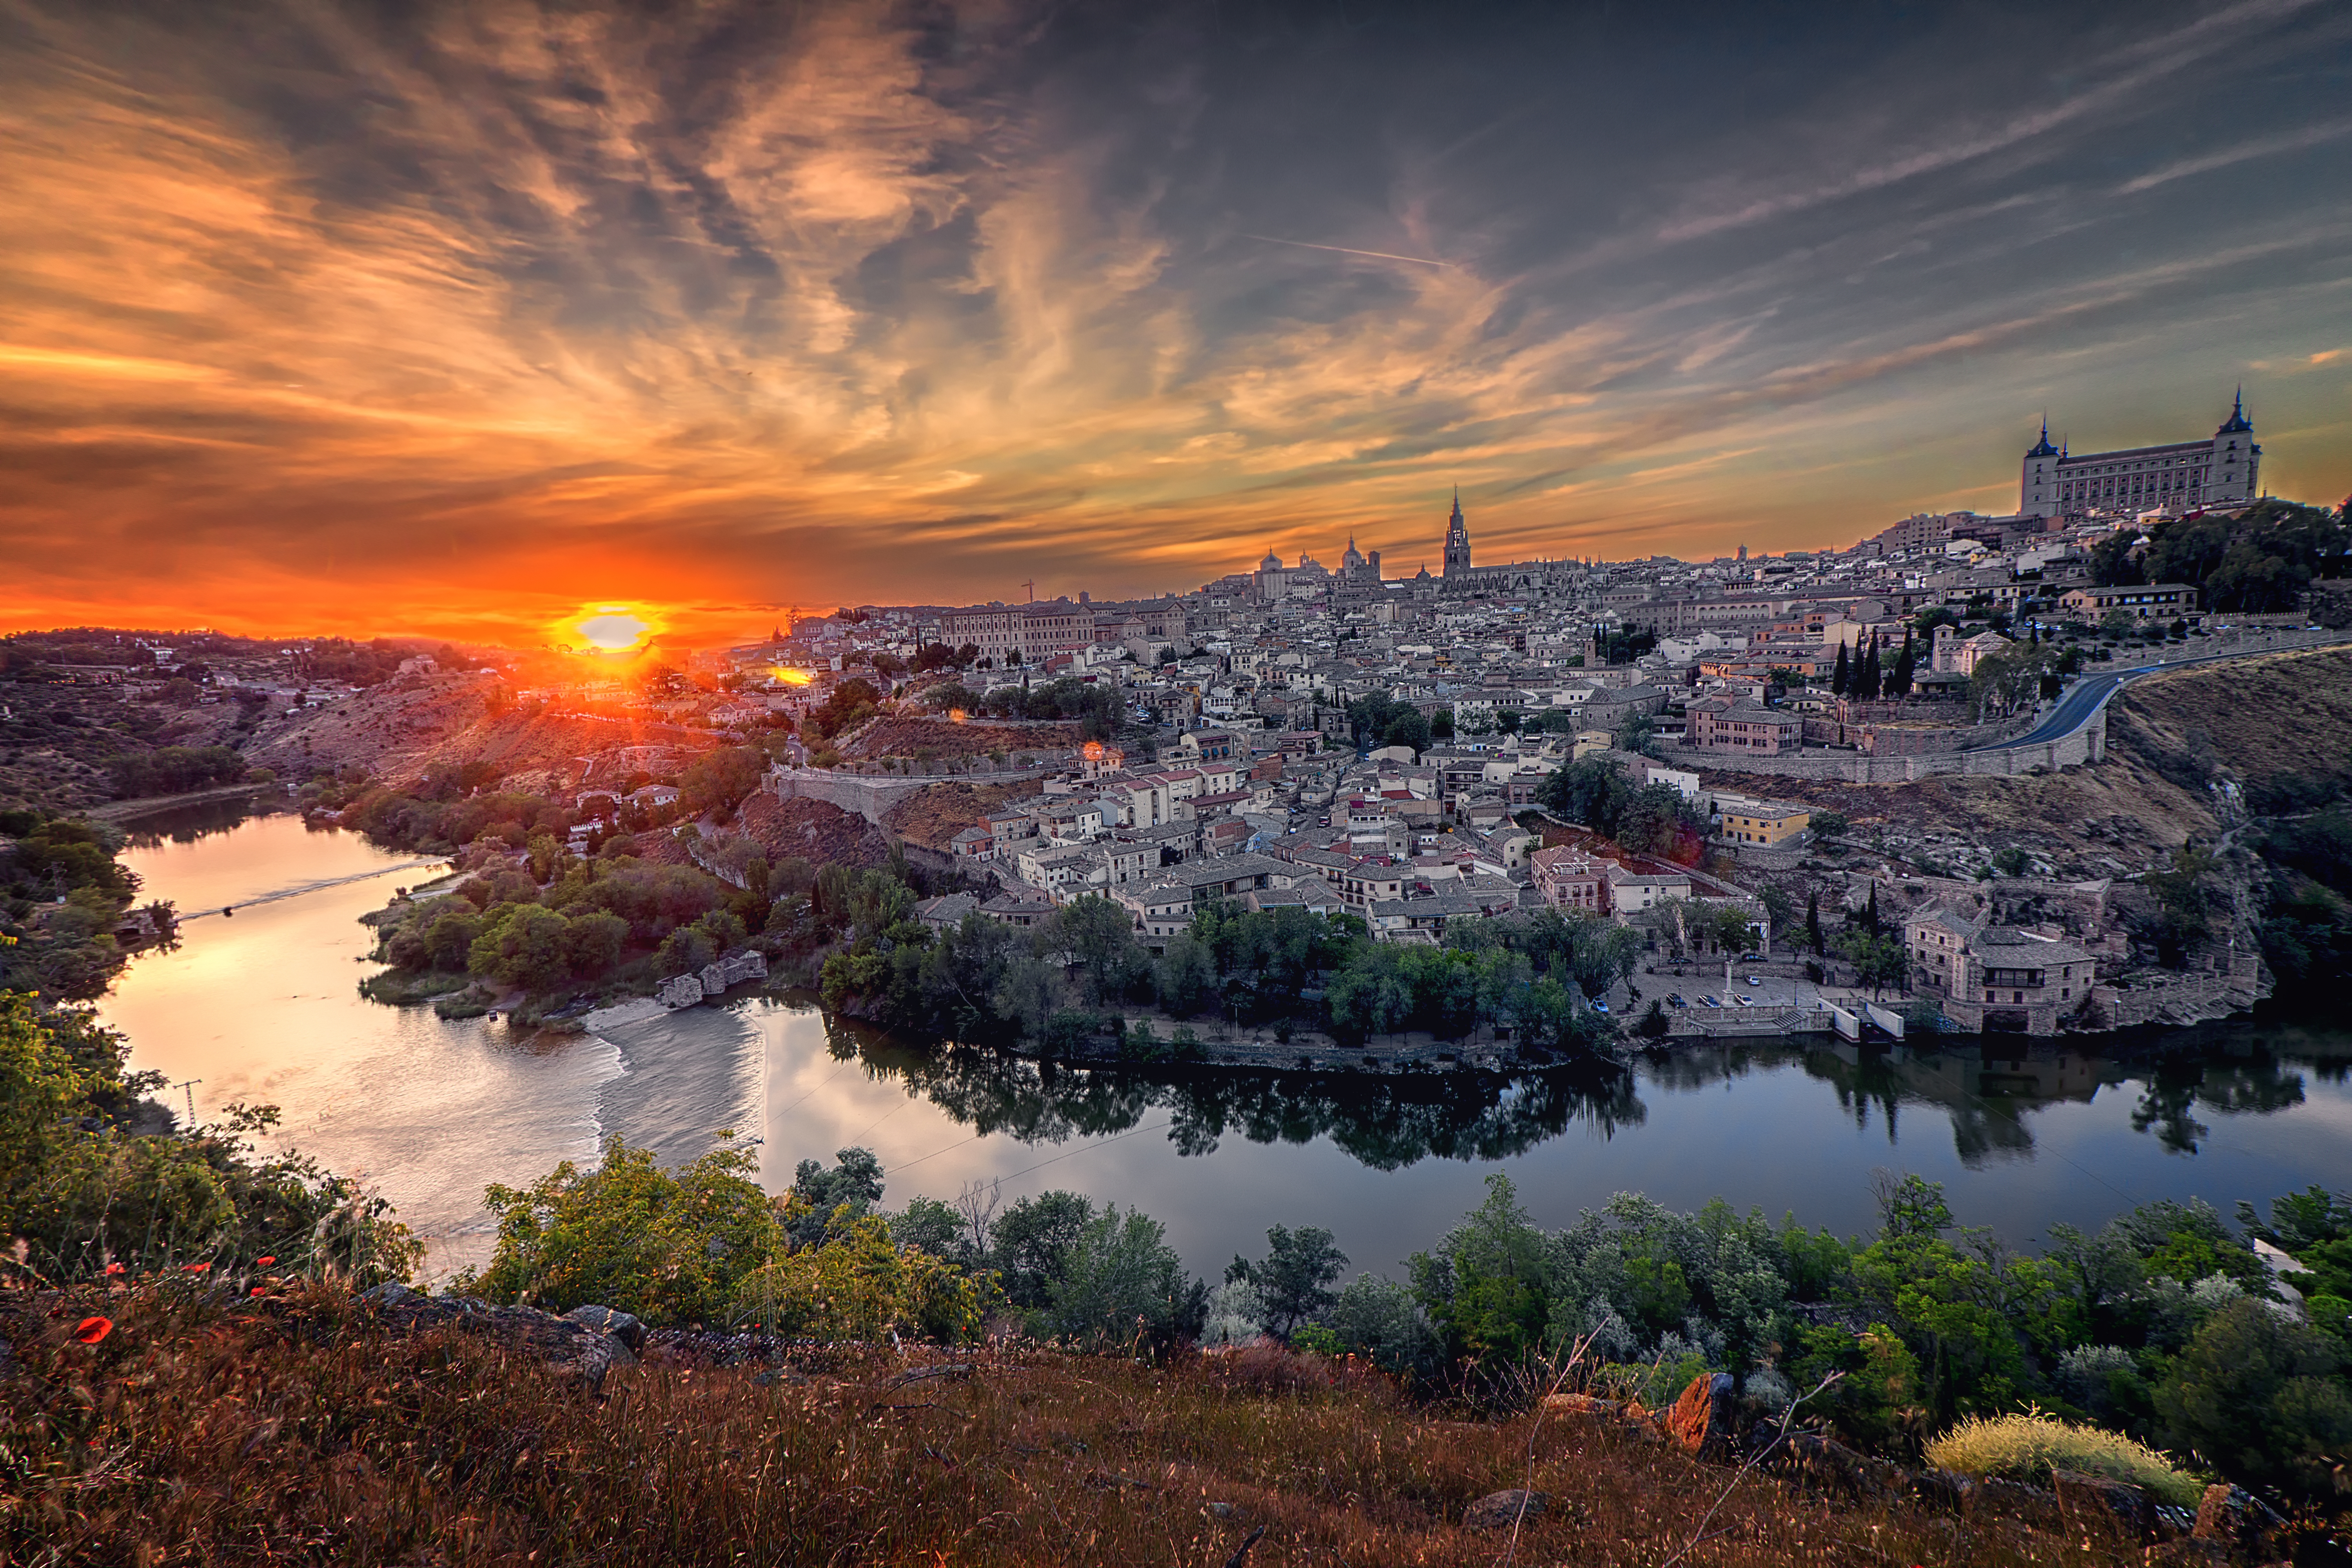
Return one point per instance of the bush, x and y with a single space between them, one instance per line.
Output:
2028 1447
859 1285
2259 1395
672 1246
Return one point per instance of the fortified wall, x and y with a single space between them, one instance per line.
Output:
2087 745
872 794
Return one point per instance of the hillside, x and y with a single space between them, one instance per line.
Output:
2256 722
399 730
307 1426
934 815
939 740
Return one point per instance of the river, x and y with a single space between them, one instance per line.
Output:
262 1007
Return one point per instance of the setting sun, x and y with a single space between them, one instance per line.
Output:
612 628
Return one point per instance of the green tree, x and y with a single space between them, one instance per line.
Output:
670 1245
522 945
2261 1399
1485 1285
1294 1279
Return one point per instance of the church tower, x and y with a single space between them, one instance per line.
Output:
1457 539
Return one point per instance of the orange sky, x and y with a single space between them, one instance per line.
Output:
453 326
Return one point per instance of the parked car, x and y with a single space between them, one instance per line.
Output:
1674 999
1710 1001
1744 1001
1600 1006
1753 981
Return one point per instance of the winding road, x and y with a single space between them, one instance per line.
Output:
2084 700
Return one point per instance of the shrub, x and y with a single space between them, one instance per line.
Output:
2259 1395
859 1285
2029 1448
669 1246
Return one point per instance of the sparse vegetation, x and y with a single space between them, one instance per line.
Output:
2029 1448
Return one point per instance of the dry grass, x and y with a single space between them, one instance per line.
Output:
2029 1448
298 1430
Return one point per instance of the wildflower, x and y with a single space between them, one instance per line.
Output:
193 1268
264 1262
258 1290
114 1268
93 1330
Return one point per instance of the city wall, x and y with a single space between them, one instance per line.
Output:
872 794
2086 744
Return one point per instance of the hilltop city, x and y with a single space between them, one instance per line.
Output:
1668 745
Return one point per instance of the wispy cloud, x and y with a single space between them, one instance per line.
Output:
498 310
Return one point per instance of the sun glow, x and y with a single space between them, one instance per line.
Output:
788 675
612 628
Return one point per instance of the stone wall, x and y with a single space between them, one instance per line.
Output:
2087 745
870 795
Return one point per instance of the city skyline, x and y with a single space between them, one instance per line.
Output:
454 320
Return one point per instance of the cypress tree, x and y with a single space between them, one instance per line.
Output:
1900 685
1867 687
1813 921
1840 676
1870 914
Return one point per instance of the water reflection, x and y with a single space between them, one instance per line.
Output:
1391 1121
205 819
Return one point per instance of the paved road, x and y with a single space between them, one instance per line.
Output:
2088 695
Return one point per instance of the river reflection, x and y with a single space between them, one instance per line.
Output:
264 1006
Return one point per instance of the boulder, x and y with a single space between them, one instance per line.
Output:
2239 1521
684 991
2189 1551
2016 1500
1947 1489
1500 1510
1828 1465
622 1326
2094 1504
1581 1405
572 1349
1701 1420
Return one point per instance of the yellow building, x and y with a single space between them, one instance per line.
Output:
1743 821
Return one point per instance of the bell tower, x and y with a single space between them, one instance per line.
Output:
1457 539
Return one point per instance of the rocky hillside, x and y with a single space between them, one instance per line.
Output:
2170 739
933 816
400 729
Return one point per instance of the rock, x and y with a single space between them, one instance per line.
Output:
1829 1465
390 1293
732 971
684 991
570 1350
2239 1521
1581 1405
622 1326
2097 1503
1947 1489
2028 1504
2189 1551
1701 1419
1500 1510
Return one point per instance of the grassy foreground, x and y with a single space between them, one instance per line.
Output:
295 1428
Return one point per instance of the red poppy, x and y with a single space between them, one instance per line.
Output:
93 1330
193 1268
258 1290
114 1268
263 1262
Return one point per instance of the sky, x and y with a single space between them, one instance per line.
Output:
322 317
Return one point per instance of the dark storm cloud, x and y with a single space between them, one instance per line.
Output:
744 304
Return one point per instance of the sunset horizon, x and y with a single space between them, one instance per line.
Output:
447 321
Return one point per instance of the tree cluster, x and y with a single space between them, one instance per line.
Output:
2260 562
1648 819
